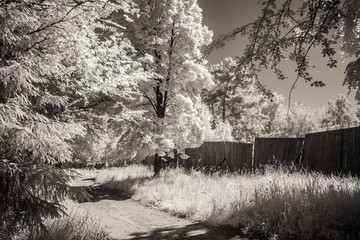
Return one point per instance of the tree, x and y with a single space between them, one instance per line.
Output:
222 132
299 121
168 36
231 88
288 30
53 70
234 99
338 115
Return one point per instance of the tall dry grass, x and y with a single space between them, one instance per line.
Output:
77 225
273 204
126 180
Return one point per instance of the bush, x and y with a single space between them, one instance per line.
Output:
29 192
77 224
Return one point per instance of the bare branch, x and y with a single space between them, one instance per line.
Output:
149 99
63 19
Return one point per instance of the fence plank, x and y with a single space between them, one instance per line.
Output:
211 154
194 159
214 154
285 150
238 155
333 151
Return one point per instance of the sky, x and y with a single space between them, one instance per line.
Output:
222 16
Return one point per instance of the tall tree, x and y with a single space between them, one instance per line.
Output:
296 123
52 68
290 29
338 115
234 98
231 88
168 36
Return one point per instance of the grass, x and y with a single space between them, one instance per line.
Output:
273 204
129 172
78 225
126 180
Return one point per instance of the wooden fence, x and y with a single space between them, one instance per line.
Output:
238 155
194 159
333 151
226 155
213 154
284 150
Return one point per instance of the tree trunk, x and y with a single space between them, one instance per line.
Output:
176 158
223 114
157 165
2 93
161 103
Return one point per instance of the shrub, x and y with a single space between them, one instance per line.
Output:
77 224
28 193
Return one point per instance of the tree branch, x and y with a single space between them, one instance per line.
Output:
150 100
63 19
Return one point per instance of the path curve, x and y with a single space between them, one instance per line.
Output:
124 218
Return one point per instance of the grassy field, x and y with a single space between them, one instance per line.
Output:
274 204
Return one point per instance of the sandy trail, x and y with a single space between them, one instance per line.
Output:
124 218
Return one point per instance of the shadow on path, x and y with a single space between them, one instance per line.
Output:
89 179
196 231
101 192
85 190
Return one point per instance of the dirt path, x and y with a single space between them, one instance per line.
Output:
126 219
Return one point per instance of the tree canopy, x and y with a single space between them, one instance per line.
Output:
290 29
55 72
168 37
338 114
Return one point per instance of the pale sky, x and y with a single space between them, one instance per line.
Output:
222 16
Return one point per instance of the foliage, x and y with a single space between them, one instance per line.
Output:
55 72
167 37
222 132
231 90
290 30
234 99
352 78
78 224
97 147
250 115
294 122
300 120
339 115
277 203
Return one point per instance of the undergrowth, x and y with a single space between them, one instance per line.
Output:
76 225
126 180
272 204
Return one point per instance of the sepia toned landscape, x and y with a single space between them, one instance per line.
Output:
179 119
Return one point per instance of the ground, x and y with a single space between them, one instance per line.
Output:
124 218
